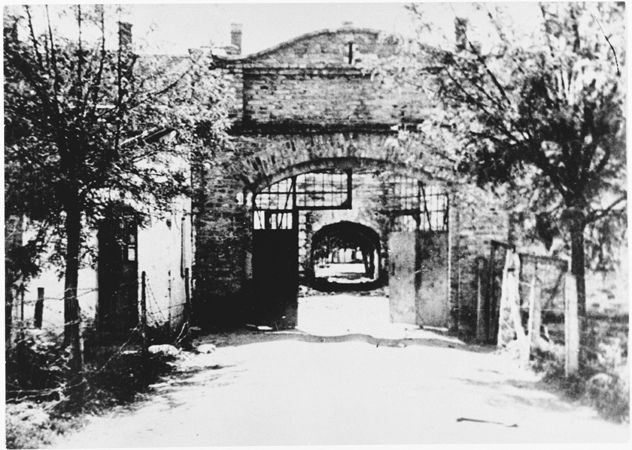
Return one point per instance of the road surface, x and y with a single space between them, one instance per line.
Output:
292 388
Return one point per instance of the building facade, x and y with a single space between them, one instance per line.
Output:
321 149
318 140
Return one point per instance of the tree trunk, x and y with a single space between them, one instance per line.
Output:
8 313
72 317
576 226
578 267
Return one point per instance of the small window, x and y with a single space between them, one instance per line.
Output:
267 220
131 253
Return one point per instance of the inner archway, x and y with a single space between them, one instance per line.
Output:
345 256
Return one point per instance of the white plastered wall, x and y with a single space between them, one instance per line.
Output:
164 253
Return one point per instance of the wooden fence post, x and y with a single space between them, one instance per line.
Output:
482 313
492 328
571 326
535 313
187 296
22 304
39 308
8 313
143 310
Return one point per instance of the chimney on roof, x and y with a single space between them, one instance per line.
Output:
235 37
460 33
125 36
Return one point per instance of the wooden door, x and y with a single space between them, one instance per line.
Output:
433 294
403 279
275 274
117 308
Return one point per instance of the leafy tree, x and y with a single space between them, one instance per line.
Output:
539 117
89 123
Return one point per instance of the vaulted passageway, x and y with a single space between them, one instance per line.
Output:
345 256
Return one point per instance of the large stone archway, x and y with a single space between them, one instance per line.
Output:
223 271
310 105
268 159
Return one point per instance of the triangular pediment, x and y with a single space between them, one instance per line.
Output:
338 47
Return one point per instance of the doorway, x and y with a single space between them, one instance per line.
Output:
117 308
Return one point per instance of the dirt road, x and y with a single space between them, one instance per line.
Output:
290 389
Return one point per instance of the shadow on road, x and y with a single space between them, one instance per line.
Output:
419 337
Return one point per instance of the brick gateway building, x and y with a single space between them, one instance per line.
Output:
319 142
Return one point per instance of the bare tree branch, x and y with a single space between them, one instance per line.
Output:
614 52
601 213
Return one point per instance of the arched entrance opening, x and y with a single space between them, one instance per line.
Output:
390 227
345 256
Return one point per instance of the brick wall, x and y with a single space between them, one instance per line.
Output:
311 81
477 217
325 96
327 48
222 239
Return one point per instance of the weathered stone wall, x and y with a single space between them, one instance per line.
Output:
476 218
330 96
327 48
267 158
321 79
222 240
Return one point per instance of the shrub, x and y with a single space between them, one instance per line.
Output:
40 403
603 376
610 394
37 365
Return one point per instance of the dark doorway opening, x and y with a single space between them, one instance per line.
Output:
345 256
117 309
276 277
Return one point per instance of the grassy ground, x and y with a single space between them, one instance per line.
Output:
603 379
40 405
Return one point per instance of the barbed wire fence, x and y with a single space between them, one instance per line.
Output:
172 319
529 298
542 294
541 284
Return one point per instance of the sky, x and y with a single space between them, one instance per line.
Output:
175 28
264 24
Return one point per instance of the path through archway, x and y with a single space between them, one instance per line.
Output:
345 256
